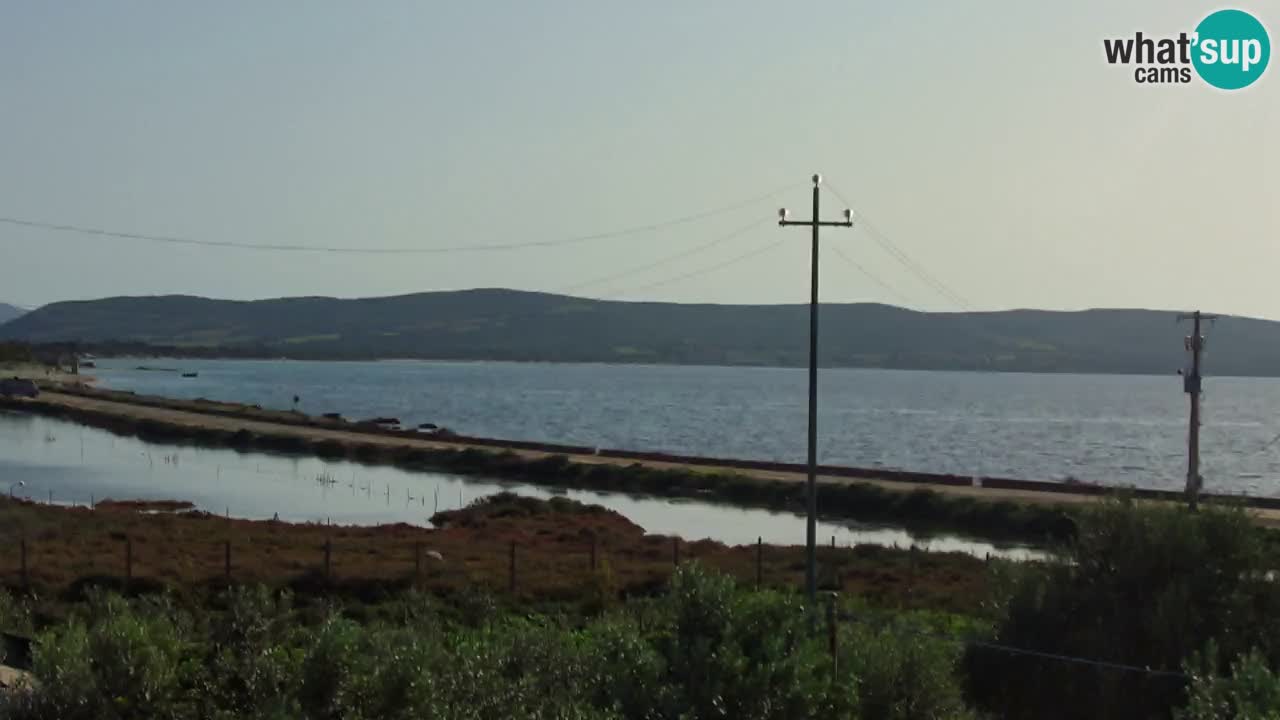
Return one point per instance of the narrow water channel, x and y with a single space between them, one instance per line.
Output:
72 464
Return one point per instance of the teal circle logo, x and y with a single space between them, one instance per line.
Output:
1231 49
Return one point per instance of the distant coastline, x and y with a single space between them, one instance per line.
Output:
214 354
516 326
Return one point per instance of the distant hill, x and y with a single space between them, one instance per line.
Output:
513 325
9 312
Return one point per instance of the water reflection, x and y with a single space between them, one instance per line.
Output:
73 464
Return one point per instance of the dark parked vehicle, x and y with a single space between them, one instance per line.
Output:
18 387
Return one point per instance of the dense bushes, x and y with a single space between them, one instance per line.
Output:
1141 585
1250 692
706 650
1185 601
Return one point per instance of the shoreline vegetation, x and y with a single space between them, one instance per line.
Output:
913 505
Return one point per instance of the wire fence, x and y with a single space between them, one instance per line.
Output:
419 563
903 630
118 558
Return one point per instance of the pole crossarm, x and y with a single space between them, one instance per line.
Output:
821 223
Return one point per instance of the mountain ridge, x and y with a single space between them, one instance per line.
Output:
9 312
503 324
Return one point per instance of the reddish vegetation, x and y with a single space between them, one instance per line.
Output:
68 547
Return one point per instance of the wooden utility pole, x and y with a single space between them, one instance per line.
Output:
811 527
1191 385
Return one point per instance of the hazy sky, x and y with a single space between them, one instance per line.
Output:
988 140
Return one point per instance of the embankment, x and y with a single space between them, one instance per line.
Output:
1022 490
940 508
996 508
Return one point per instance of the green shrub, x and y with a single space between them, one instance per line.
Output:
124 664
15 615
395 677
902 674
517 669
627 676
327 668
253 669
1250 692
745 655
1141 585
706 650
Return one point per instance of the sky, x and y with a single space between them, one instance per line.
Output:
988 142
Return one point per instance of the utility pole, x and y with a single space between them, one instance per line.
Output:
1191 382
811 526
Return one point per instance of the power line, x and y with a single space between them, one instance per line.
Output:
1011 650
906 260
868 274
663 261
277 247
916 268
703 271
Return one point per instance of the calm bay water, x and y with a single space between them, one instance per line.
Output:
1119 430
73 464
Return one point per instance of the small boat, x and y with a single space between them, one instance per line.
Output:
190 374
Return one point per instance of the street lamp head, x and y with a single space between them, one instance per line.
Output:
848 215
783 213
817 179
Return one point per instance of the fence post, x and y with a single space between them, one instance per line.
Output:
833 635
511 576
675 551
328 552
911 582
759 561
26 585
833 542
226 560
